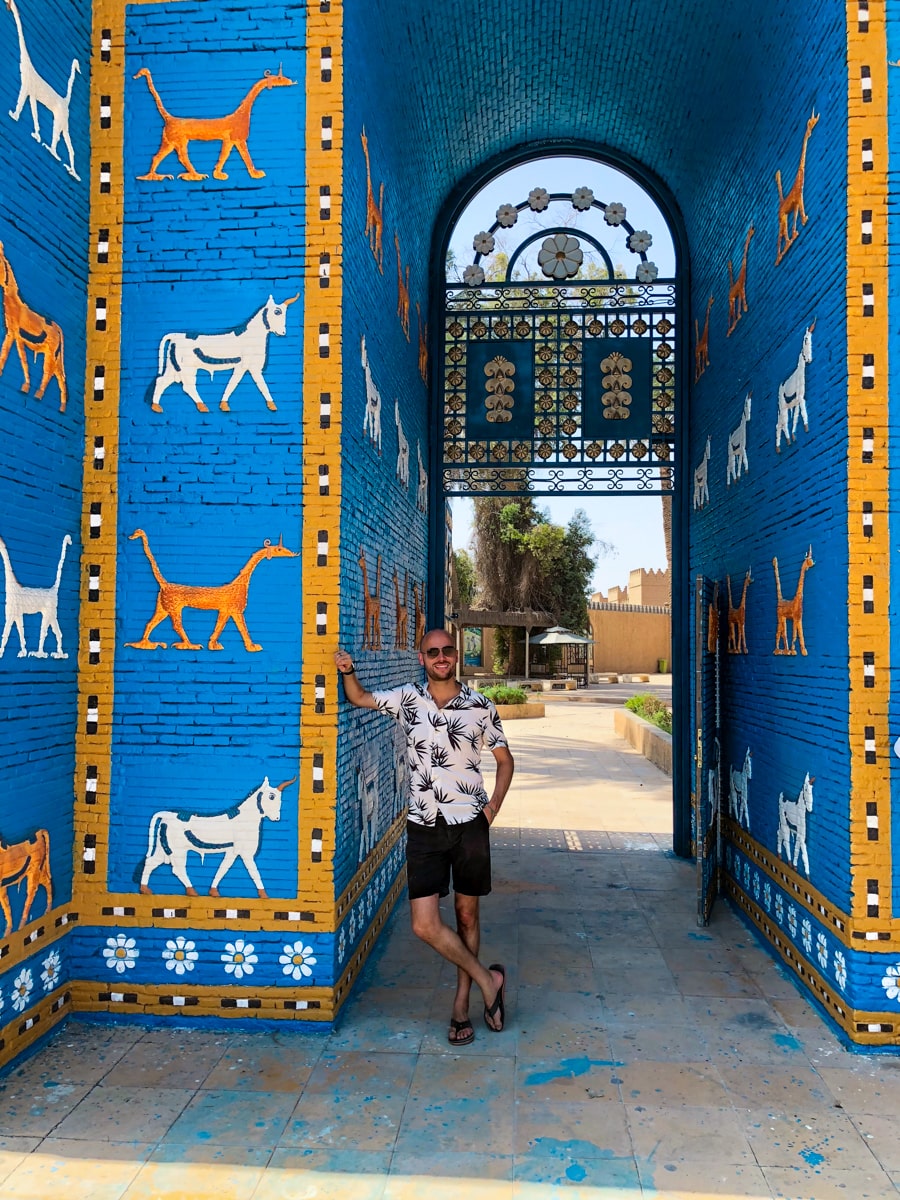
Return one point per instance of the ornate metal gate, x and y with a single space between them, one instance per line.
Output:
559 384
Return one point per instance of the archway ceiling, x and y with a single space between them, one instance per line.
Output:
665 82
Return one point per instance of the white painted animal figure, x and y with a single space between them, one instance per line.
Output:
372 415
367 796
701 479
738 796
401 775
422 488
24 601
792 394
234 833
402 448
792 817
36 90
712 783
242 351
737 446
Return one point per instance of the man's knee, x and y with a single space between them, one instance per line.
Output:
466 914
425 920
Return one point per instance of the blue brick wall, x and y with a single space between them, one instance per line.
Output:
380 513
43 230
199 729
791 711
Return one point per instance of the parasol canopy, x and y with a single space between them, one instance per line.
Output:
557 636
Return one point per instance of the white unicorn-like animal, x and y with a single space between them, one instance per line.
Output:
737 446
402 448
738 792
792 394
792 817
372 414
701 479
234 833
242 351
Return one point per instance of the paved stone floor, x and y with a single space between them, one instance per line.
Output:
642 1056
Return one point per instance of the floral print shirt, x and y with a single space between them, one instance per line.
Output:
444 747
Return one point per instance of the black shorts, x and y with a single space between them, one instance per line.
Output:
433 851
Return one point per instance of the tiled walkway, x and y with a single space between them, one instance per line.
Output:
642 1056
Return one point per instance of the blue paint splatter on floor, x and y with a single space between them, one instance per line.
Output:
570 1068
813 1157
786 1041
700 937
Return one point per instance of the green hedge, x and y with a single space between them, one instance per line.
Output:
652 710
501 694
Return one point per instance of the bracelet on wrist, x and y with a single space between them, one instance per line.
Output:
352 671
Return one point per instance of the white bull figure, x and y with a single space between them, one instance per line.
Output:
241 350
234 833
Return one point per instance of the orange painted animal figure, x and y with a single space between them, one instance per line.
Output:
29 862
227 600
30 331
374 230
232 131
791 208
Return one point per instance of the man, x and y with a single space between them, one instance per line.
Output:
446 725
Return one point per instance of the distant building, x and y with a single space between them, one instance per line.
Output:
645 588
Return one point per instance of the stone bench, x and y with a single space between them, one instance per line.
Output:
568 685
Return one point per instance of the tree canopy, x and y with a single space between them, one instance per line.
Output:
524 561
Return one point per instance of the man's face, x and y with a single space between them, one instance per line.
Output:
438 656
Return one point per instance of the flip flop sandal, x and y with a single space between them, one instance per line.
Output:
498 1008
457 1027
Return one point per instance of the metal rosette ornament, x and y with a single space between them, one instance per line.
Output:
561 254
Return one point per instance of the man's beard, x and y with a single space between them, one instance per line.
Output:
440 674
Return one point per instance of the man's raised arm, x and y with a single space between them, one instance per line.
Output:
353 689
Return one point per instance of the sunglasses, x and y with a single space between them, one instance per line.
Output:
436 651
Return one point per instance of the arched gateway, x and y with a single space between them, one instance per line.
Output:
231 459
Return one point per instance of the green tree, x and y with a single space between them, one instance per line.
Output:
465 577
525 561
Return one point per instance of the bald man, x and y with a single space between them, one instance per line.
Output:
448 824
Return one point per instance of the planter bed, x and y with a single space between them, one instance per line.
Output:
654 743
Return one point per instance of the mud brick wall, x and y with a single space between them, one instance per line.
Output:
43 271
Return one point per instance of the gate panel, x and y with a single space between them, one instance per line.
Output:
706 794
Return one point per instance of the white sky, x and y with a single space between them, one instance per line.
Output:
632 524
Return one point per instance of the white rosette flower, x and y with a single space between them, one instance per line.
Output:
342 945
806 934
473 276
352 930
50 973
22 989
483 243
560 256
121 953
646 272
779 908
239 958
297 960
767 896
792 920
746 874
614 214
891 982
582 199
507 215
822 950
640 241
180 955
840 969
538 199
756 885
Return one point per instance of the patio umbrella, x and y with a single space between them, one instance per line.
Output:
557 636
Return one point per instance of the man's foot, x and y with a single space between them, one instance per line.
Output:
495 1015
462 1033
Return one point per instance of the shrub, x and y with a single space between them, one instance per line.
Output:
651 709
501 694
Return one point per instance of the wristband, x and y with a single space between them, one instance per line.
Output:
352 671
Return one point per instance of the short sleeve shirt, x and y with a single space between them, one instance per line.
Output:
444 747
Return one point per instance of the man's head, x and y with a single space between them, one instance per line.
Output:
437 654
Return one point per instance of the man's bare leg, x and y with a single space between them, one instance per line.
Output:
428 925
468 926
